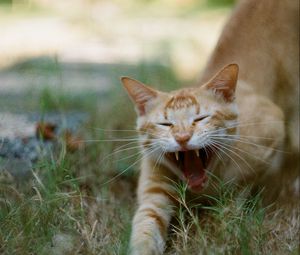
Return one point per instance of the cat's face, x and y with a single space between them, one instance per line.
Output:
180 128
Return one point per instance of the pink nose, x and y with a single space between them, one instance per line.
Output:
182 137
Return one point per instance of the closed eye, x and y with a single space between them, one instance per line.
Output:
166 124
201 118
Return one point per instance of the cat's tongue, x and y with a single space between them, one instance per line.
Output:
193 170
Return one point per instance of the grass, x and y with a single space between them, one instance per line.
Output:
72 205
71 196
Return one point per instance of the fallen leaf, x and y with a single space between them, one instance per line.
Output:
45 130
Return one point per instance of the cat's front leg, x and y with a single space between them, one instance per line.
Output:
152 218
150 225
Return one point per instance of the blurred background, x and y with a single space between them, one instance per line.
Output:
61 63
68 158
84 46
68 149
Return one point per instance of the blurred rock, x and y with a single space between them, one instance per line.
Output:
20 169
14 125
25 138
61 244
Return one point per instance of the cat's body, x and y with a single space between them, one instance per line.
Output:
236 132
262 37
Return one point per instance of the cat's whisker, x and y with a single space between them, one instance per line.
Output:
123 148
111 140
120 140
114 130
134 163
245 124
230 139
162 156
259 122
118 151
205 152
124 130
219 156
246 152
240 157
138 132
157 162
229 156
245 136
152 142
124 139
127 144
130 156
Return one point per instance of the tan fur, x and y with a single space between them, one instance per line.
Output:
183 99
263 109
262 37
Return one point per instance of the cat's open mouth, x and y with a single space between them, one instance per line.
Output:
193 164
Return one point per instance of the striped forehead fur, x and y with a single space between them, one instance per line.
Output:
182 100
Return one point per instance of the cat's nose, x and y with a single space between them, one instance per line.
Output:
182 137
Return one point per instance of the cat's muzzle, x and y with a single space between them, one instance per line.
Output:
193 164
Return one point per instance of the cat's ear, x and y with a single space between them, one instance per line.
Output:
224 82
140 94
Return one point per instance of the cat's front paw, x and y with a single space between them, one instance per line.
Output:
147 246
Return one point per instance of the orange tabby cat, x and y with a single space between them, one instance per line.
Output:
234 125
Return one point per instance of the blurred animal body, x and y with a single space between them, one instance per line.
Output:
234 126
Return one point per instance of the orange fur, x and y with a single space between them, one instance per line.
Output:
245 112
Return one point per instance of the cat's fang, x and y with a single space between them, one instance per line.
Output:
176 155
197 153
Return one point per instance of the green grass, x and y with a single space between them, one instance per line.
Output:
74 196
72 205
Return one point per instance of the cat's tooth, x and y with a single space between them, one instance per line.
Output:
176 155
197 153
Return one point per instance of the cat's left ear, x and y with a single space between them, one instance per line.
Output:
224 82
140 94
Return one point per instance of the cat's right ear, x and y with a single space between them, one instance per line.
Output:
140 94
223 84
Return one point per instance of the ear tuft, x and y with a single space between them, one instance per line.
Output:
224 82
140 94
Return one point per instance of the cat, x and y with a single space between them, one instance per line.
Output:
237 121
